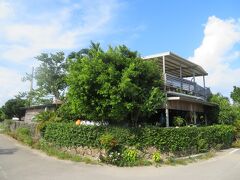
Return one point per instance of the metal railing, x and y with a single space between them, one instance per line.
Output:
186 86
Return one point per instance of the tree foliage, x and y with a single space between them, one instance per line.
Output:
235 95
2 115
50 75
227 113
113 85
14 108
50 78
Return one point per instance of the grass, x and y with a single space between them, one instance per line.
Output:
190 159
236 144
49 149
1 127
54 151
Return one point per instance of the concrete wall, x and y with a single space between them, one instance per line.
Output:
30 114
35 110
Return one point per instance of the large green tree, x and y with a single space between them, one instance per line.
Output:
227 113
235 95
50 75
14 108
50 78
114 85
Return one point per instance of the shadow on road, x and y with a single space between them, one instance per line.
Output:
7 151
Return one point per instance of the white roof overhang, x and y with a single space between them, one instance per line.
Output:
173 63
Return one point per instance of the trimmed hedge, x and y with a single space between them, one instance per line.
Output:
176 140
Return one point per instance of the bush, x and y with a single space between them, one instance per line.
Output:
6 125
23 134
45 117
179 141
237 128
113 157
108 141
156 157
178 121
130 157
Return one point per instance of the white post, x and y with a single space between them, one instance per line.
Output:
194 90
164 74
181 77
165 82
204 86
195 117
167 115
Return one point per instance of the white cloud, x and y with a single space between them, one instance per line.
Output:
60 29
218 51
10 84
24 34
5 9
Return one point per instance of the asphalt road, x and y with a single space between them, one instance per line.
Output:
18 162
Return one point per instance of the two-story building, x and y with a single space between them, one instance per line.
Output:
185 97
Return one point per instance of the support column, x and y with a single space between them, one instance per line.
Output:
167 115
195 117
204 86
205 117
194 87
181 78
165 90
164 73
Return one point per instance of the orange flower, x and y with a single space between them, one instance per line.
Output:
78 122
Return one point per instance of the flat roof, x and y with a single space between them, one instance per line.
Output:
173 63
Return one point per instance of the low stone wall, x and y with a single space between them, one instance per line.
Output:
32 126
96 153
86 152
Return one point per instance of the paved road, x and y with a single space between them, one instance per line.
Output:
18 162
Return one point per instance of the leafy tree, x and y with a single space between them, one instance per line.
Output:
227 113
2 115
86 51
14 108
113 85
50 75
235 94
50 78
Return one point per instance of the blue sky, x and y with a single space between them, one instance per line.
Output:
206 32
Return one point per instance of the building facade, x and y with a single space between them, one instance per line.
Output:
184 96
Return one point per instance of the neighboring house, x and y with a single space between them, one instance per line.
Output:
185 97
32 111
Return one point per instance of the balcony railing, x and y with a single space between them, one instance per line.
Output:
186 86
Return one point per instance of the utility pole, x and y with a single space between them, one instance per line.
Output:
31 86
31 80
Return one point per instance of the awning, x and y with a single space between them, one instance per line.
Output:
173 63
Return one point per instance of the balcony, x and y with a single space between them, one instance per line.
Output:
185 86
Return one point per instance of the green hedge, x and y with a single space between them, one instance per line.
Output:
176 140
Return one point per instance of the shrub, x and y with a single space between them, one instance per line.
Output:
129 157
6 125
113 157
108 141
237 127
23 134
44 118
179 141
202 145
178 121
156 157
